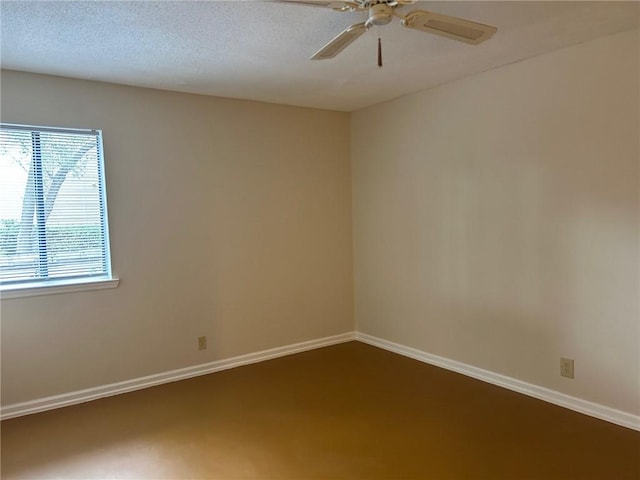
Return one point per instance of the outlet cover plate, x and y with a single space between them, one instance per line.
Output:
566 367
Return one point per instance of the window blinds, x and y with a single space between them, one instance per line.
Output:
53 215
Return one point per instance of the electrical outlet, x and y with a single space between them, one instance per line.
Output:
202 343
566 367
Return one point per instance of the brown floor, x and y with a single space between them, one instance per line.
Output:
347 411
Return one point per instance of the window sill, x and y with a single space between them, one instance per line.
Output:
34 290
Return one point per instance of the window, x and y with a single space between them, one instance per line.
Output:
53 213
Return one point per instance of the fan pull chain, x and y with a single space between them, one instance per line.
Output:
379 52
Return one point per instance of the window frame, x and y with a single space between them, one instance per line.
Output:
46 285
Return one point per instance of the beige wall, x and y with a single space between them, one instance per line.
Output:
228 218
496 220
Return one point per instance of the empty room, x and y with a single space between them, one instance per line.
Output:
319 239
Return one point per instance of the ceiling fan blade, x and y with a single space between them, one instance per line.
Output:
342 6
342 41
451 27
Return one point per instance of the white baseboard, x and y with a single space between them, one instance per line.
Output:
80 396
583 406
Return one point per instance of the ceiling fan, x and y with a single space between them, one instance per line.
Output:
381 12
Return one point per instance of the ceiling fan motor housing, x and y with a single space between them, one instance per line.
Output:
380 14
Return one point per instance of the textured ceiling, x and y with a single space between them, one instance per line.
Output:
260 50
